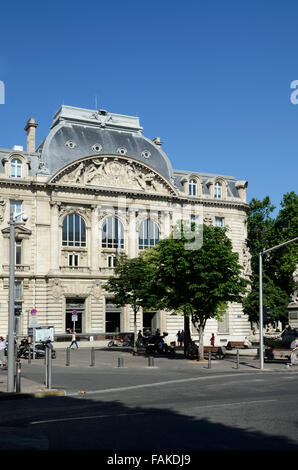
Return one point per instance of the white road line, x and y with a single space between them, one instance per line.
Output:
156 384
232 404
77 418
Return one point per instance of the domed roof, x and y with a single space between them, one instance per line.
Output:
78 132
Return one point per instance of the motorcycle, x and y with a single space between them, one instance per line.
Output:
37 351
155 344
119 342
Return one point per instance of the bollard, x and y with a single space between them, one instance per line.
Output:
209 359
120 362
49 349
29 355
18 376
238 362
92 363
150 361
67 357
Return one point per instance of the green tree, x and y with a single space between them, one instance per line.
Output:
132 285
265 231
196 282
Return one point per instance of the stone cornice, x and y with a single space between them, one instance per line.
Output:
134 194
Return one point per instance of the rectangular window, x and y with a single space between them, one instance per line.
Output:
112 261
18 290
73 260
218 222
17 209
18 259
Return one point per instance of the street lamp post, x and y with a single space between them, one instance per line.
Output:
263 252
11 314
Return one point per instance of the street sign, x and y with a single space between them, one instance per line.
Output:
74 317
33 312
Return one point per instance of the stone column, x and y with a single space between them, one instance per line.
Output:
132 238
94 242
55 245
166 224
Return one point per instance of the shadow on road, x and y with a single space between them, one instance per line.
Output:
68 423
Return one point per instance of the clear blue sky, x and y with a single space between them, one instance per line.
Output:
211 78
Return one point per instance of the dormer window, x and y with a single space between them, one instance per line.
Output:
16 168
192 187
218 190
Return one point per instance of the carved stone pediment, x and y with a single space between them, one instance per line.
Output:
20 232
113 172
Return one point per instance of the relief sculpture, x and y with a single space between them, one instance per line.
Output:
115 173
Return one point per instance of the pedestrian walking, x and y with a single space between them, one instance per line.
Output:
73 340
212 340
2 352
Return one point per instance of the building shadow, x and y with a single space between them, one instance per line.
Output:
68 423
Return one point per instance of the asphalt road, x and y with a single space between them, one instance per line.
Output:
177 404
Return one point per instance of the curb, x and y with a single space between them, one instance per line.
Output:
39 394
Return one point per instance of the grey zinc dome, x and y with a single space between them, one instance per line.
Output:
78 132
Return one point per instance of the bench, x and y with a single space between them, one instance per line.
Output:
235 345
217 351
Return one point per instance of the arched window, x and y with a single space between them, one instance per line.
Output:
218 190
16 168
192 187
73 231
148 234
112 233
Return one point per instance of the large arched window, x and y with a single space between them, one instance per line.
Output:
16 168
73 231
192 187
148 234
112 233
218 190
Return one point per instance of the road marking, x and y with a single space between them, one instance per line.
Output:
232 404
156 384
77 418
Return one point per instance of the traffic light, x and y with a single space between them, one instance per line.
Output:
266 314
17 309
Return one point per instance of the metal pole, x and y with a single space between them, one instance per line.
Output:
46 362
92 358
67 357
261 293
18 376
261 309
10 347
49 348
209 359
238 361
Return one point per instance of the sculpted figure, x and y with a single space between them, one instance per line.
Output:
95 171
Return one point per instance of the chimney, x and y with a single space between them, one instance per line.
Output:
157 141
30 129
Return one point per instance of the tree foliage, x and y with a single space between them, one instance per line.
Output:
197 282
267 231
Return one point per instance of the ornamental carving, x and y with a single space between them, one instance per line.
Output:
56 288
2 209
114 172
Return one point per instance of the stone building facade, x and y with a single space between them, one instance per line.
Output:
94 188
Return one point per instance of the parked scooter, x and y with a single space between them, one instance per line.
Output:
119 342
37 351
155 344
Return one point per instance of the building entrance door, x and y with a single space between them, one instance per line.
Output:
113 317
77 305
150 322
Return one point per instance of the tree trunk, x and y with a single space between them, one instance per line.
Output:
135 331
187 335
201 341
